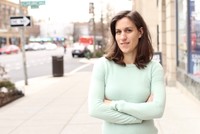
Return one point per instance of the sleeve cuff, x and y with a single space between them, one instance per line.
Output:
114 105
117 105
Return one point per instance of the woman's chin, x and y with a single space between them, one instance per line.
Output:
125 51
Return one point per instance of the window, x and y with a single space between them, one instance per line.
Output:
195 38
182 34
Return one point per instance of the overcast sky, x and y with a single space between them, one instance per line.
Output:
71 10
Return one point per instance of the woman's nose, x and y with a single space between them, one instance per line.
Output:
123 36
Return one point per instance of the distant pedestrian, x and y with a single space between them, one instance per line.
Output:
87 53
65 48
127 87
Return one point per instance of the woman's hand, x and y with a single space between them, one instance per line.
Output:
107 102
150 99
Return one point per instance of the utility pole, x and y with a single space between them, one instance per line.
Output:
91 11
22 29
102 28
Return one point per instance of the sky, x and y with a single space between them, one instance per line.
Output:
63 10
71 10
57 15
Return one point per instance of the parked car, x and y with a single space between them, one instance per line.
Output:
78 51
50 46
1 50
26 47
82 50
9 49
34 47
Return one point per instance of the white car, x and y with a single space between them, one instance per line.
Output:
50 46
34 46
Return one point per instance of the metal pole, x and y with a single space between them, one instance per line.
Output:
102 29
189 55
94 34
91 11
22 46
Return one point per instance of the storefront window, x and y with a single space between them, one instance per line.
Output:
195 38
2 41
182 34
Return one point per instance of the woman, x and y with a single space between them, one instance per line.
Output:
127 88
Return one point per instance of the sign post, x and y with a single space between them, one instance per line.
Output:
22 21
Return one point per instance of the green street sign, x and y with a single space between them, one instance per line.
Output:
32 3
34 6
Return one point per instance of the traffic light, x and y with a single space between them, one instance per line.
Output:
91 7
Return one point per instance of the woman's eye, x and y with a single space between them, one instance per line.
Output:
128 30
118 32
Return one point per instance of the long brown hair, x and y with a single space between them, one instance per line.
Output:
144 48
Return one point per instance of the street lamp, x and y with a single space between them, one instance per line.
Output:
91 11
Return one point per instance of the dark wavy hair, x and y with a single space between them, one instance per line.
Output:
144 47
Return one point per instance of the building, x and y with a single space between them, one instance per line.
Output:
175 28
9 35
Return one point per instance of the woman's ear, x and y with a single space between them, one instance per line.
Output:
141 32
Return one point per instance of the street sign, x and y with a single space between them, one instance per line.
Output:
20 21
32 3
34 6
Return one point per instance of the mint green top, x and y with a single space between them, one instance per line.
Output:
128 88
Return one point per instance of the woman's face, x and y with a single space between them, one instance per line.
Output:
127 36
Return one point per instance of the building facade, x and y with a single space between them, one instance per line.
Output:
9 35
175 29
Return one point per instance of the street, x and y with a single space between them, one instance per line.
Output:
39 63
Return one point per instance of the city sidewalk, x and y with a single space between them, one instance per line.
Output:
58 105
182 113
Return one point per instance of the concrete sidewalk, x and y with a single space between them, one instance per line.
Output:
182 113
58 105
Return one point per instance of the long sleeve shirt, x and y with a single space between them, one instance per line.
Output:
129 89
